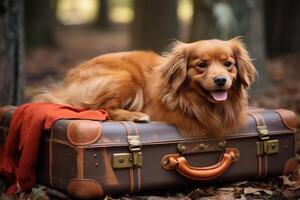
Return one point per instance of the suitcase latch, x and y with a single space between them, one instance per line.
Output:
135 148
126 160
267 147
132 159
263 132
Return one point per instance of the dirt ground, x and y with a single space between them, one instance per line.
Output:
45 66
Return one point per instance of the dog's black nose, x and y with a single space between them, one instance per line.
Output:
220 80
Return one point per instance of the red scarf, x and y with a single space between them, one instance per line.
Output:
19 154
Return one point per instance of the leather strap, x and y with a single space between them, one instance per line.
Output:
80 164
131 178
266 165
260 123
131 170
262 160
139 172
259 166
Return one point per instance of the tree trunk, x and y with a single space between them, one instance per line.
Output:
203 22
251 26
11 52
39 19
282 26
155 24
213 19
102 20
224 19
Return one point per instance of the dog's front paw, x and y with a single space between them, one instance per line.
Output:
138 117
125 115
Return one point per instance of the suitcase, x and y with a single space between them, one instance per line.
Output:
89 159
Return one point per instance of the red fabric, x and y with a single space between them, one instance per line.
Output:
19 154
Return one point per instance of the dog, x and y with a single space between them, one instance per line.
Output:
200 87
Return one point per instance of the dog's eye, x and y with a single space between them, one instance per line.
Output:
227 63
203 64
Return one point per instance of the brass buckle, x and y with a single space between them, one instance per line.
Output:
132 159
200 147
127 160
263 132
134 142
135 148
267 147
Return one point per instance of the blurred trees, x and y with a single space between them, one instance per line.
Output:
39 19
203 22
282 20
249 15
212 19
155 24
268 27
227 19
102 20
11 52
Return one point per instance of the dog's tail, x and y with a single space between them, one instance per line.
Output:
49 95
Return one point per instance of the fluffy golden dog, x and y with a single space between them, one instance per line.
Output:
200 87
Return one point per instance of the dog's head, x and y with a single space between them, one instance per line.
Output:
213 69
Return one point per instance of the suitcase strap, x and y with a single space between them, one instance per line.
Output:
262 128
134 159
265 146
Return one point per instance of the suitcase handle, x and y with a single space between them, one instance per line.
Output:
175 161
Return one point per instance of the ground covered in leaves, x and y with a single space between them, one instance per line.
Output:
45 66
279 188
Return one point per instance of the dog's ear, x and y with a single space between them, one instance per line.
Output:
174 66
246 70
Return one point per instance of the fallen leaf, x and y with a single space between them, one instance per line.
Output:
291 194
210 191
228 189
251 190
293 185
225 196
243 197
239 184
197 193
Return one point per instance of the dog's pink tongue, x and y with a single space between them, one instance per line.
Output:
219 95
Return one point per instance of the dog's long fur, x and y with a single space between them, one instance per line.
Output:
170 88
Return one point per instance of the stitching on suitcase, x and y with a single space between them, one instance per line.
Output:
278 111
83 143
65 143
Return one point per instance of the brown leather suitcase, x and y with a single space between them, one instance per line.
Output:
89 159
